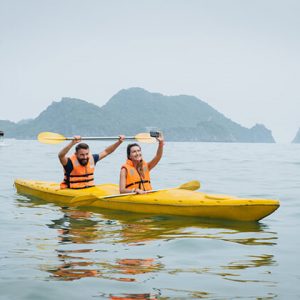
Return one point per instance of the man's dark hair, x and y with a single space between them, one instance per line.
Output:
82 146
129 148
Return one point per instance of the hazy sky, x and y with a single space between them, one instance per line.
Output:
239 56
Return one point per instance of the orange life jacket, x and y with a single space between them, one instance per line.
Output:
135 180
81 176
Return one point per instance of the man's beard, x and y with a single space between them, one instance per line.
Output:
83 161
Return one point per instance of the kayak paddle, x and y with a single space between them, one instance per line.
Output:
190 185
86 200
56 138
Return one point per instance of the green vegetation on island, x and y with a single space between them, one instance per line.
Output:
181 118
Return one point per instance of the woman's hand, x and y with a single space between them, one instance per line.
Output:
138 191
161 139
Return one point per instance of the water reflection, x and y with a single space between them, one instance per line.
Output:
82 227
70 270
94 225
252 262
76 227
130 267
146 296
98 244
139 229
79 227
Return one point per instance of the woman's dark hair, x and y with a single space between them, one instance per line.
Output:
82 146
129 148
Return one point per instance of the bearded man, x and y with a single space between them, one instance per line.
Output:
79 167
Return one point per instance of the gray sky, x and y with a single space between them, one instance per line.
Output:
239 56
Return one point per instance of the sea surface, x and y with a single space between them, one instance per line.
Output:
53 252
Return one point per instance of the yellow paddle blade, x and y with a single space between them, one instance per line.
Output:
145 138
50 138
191 185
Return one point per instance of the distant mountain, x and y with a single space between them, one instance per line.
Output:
8 127
25 121
181 118
297 137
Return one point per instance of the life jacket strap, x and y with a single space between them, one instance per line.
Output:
84 187
84 180
138 182
85 175
69 182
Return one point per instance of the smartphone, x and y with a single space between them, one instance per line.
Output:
154 134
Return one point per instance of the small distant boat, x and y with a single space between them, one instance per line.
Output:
4 142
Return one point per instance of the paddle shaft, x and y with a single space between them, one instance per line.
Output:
56 138
181 187
191 185
97 138
85 201
128 194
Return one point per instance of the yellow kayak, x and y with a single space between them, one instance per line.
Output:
173 201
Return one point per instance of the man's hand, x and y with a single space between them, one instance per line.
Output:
62 155
112 147
76 139
121 138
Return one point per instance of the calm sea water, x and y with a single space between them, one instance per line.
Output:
52 252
